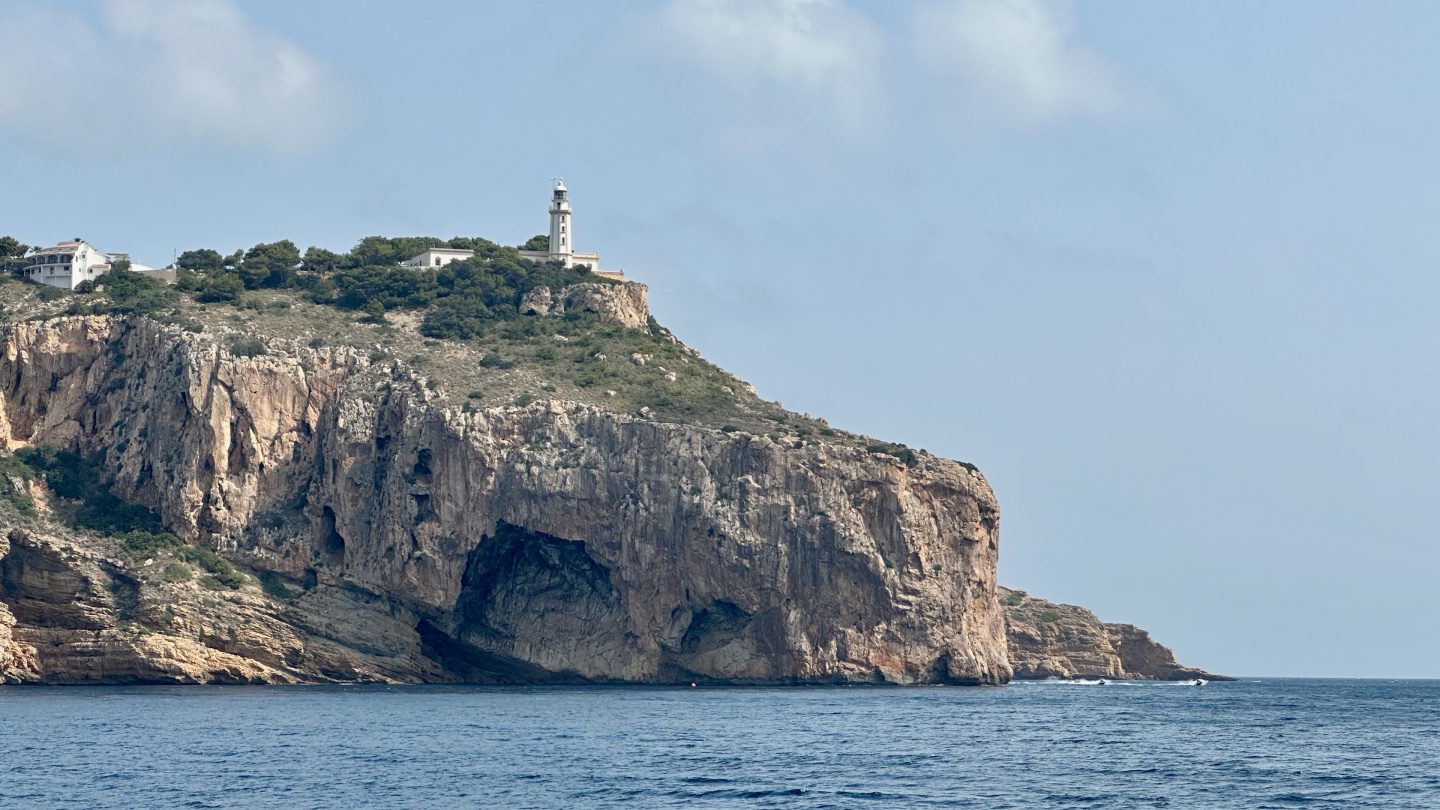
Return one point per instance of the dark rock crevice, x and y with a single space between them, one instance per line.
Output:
466 663
532 596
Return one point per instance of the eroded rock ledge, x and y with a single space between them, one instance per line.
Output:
424 543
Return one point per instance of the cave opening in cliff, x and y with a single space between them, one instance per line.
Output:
333 543
423 510
525 591
714 627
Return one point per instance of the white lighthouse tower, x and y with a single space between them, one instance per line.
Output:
562 239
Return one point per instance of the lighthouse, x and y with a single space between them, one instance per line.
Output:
562 241
562 237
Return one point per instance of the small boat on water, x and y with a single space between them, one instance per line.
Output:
1195 682
1088 682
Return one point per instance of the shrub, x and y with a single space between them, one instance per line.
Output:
475 395
248 347
899 451
316 343
12 469
272 586
270 265
1049 616
374 311
524 399
47 293
203 261
1014 599
319 260
75 477
65 473
127 292
175 572
219 288
729 429
142 543
219 569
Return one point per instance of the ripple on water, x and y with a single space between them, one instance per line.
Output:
1277 744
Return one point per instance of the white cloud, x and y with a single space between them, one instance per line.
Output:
1017 58
158 73
819 47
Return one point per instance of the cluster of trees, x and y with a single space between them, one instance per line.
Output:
281 264
223 278
82 479
126 293
11 251
462 296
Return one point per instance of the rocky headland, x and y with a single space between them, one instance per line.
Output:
1049 640
384 530
602 506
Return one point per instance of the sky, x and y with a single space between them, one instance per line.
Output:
1165 271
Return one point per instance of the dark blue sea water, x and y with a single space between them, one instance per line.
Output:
1255 744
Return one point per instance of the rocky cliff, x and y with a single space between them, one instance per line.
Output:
388 530
1048 640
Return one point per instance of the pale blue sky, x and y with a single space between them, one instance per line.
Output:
1166 272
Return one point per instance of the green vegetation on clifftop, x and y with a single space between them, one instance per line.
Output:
459 326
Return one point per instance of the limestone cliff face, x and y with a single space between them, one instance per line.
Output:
424 543
625 303
1049 640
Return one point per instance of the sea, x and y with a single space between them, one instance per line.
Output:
1258 743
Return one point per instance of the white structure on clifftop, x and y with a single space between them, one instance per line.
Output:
70 264
438 257
562 238
562 243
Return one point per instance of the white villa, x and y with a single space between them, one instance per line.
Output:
562 243
438 257
69 264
